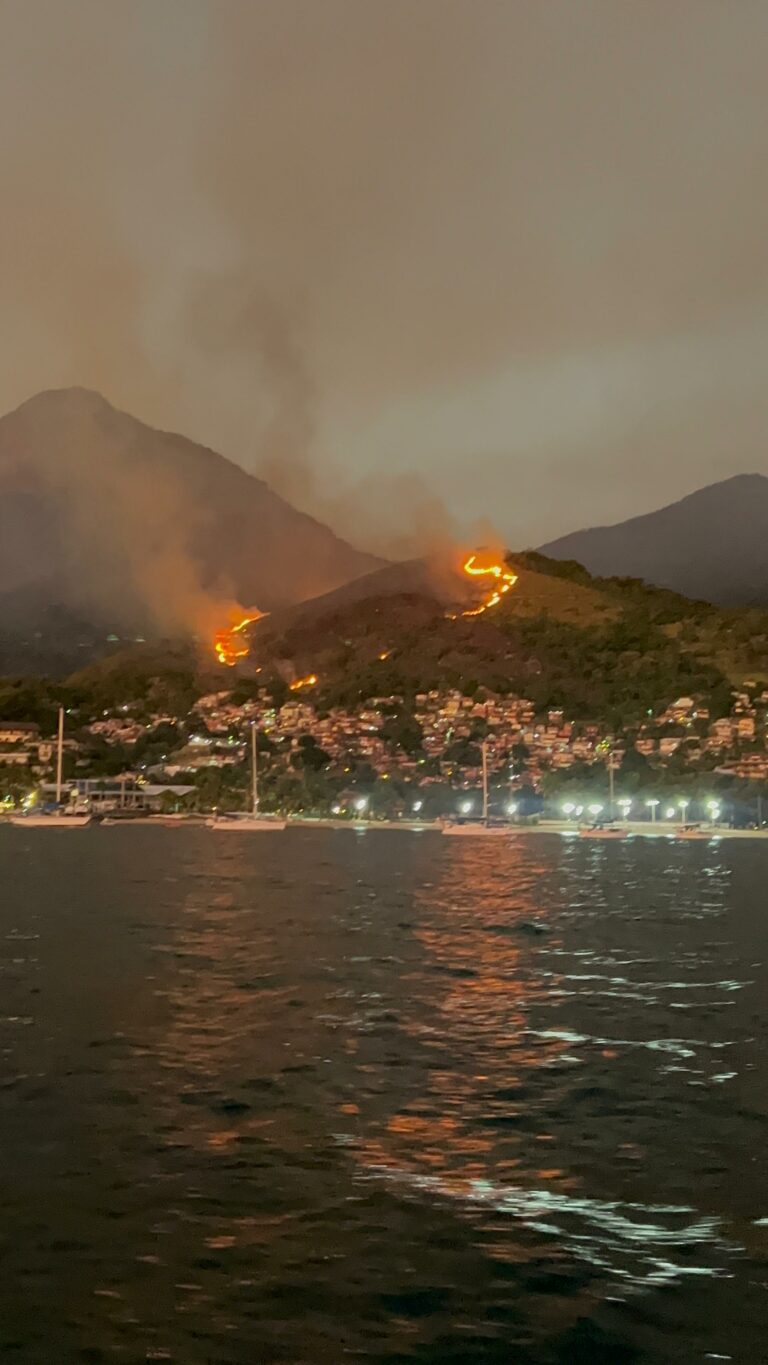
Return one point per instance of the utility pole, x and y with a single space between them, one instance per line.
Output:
484 752
60 756
254 770
610 787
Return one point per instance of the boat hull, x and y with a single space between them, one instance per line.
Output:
247 826
51 821
477 831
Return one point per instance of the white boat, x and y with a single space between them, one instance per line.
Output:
251 823
53 820
56 819
246 824
482 829
477 828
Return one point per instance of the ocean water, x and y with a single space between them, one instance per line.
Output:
320 1097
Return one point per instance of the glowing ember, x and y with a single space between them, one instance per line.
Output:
309 681
231 644
502 579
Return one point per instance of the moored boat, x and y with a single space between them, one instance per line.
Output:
53 820
476 828
249 823
59 818
486 827
246 824
603 832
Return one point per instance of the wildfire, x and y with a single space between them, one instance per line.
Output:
502 580
309 681
230 645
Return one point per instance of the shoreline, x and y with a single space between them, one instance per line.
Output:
563 828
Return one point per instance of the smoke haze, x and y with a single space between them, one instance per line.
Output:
144 530
420 263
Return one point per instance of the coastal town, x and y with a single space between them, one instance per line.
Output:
399 756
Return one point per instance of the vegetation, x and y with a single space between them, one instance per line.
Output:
618 672
613 651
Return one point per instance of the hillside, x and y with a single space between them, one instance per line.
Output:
711 545
561 637
137 531
601 648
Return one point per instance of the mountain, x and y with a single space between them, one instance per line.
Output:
608 649
600 648
133 530
712 545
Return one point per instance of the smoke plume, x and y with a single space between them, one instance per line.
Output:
505 258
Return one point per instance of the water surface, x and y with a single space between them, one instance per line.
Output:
319 1097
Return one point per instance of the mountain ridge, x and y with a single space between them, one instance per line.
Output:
600 648
141 529
711 544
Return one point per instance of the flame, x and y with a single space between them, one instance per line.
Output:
229 645
309 681
503 580
232 644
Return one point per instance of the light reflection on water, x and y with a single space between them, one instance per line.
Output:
496 1088
317 1097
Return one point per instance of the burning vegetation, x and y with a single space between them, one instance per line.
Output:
311 680
232 644
502 579
494 577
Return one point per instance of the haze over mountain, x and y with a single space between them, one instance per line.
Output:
711 545
138 529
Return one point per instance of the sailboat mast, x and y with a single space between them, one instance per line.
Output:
60 756
254 770
485 780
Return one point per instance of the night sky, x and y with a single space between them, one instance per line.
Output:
419 261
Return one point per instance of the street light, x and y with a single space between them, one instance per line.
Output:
360 803
714 811
595 809
568 809
512 808
683 808
670 812
652 804
465 807
625 806
417 805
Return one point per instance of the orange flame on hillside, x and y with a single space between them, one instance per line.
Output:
502 580
309 681
231 644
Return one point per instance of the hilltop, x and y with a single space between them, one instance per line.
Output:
561 637
600 647
712 544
